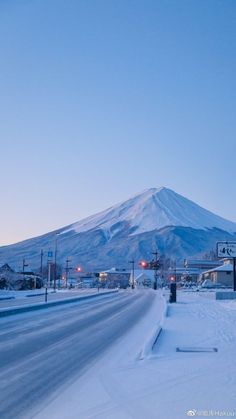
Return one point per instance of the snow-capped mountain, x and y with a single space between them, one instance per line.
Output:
154 219
151 210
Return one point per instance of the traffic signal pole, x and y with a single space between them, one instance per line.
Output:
155 270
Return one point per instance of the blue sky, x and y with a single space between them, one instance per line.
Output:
100 99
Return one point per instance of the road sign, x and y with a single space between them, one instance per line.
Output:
226 250
50 254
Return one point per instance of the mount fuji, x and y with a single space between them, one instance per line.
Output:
154 219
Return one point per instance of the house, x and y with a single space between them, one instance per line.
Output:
192 269
115 277
9 279
144 279
221 275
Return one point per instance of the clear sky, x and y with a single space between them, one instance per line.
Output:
100 99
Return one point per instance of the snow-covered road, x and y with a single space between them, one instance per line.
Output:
42 352
166 384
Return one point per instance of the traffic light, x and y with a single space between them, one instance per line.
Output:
144 264
154 264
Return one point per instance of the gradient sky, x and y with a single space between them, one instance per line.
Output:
100 99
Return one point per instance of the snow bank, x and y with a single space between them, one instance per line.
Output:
146 351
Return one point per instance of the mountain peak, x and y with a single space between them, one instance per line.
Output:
153 209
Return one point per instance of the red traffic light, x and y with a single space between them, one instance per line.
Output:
143 264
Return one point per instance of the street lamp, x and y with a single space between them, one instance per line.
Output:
48 282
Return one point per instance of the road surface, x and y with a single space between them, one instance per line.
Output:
43 352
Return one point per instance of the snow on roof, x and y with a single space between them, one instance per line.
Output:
142 276
116 271
149 273
227 267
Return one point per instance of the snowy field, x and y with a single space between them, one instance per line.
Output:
199 380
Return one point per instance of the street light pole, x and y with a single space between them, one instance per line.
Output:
48 281
132 282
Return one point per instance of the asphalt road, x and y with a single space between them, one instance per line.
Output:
42 352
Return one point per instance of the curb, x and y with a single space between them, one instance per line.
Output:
40 306
146 351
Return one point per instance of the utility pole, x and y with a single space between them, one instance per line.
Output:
48 283
67 270
41 265
155 269
132 282
23 268
234 271
55 263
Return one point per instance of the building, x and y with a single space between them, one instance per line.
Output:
221 275
122 278
192 269
9 279
144 279
114 278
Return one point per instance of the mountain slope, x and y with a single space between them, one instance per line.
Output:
155 218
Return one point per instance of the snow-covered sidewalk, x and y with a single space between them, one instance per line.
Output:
166 384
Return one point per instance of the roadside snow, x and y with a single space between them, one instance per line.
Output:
169 384
4 294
